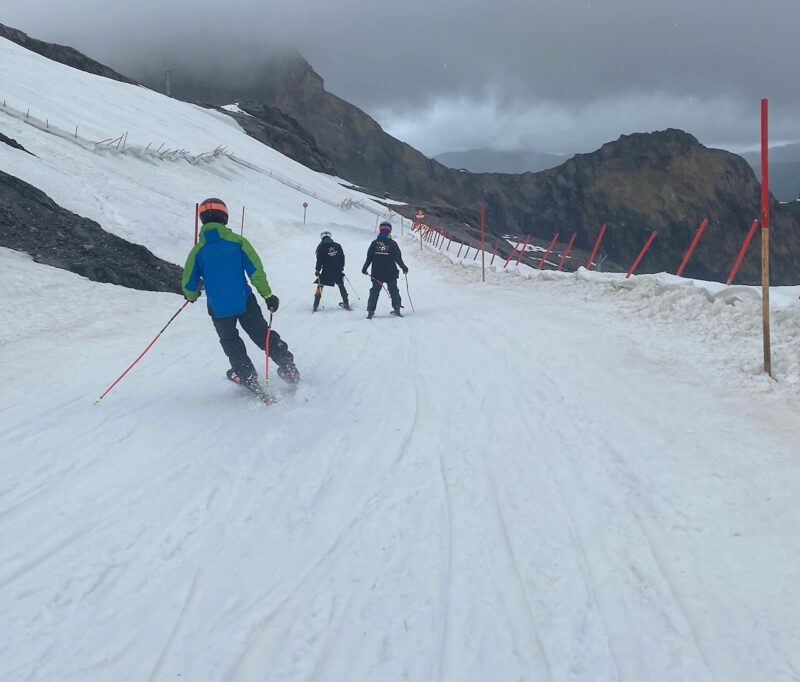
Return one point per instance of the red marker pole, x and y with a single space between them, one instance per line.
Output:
641 253
742 251
494 253
483 243
510 255
522 250
689 251
566 251
765 234
549 249
590 262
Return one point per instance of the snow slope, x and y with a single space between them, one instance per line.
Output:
536 478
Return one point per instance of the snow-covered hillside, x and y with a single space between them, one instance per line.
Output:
536 478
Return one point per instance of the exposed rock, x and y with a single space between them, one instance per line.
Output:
280 131
11 142
32 222
62 54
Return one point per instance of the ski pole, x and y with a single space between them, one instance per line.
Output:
149 346
383 286
409 294
352 287
266 351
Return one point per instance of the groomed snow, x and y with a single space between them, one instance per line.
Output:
540 477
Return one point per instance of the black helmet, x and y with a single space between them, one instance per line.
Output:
213 211
385 226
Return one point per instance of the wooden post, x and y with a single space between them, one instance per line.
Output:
742 251
641 253
590 262
566 251
483 243
765 235
549 249
689 251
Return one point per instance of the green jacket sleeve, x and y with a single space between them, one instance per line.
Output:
190 282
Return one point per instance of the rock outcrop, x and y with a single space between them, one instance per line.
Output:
280 131
33 223
62 54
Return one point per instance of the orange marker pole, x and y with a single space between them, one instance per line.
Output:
689 251
566 251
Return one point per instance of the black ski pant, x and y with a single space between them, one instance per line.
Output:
255 326
375 291
342 291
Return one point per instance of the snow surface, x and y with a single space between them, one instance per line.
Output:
545 476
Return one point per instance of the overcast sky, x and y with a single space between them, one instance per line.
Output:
447 75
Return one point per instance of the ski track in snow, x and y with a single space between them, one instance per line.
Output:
542 477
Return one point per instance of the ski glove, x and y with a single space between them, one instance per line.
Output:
363 271
405 271
272 303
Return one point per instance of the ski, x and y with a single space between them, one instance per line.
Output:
255 389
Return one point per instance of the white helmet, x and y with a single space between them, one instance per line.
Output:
324 233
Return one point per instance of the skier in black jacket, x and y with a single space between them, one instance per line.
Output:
330 269
384 256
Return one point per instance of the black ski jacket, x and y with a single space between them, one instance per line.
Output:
330 262
384 256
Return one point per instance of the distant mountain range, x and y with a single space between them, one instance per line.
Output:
498 161
784 165
784 170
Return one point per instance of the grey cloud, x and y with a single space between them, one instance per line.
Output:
589 70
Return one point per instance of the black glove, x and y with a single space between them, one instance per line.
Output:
272 303
363 271
405 271
316 273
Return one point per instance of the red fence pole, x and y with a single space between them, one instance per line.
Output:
510 255
522 250
460 246
450 237
549 249
467 251
696 239
196 218
641 253
566 252
483 244
742 251
494 253
765 236
600 234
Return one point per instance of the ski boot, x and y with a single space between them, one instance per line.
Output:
289 373
396 312
345 305
370 314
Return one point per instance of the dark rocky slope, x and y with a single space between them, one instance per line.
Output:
32 222
62 54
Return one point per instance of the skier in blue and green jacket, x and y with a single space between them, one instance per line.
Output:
220 260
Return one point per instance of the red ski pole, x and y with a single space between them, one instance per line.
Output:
141 355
